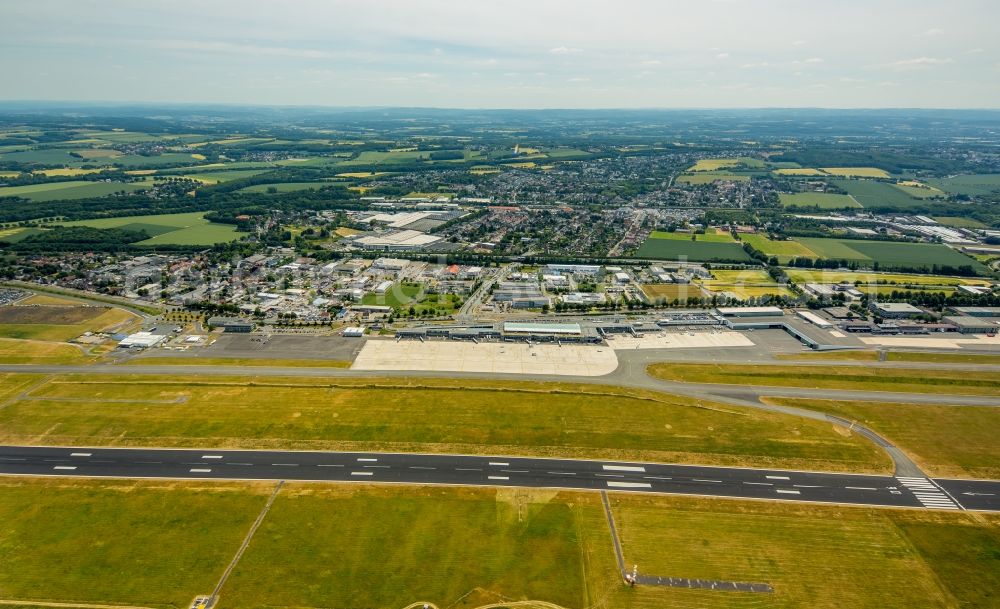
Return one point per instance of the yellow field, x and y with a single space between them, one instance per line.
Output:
713 164
744 291
856 172
479 172
526 150
141 172
343 231
745 276
45 299
9 174
799 172
198 157
16 351
528 165
362 174
66 172
98 153
810 276
670 291
359 189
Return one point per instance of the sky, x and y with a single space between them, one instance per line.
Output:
506 54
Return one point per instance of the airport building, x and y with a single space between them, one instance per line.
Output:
231 324
750 311
894 310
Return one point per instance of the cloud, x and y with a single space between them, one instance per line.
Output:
759 64
651 62
240 49
814 60
722 56
565 50
798 43
933 32
918 63
579 79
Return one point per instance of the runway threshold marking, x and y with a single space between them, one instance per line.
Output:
616 484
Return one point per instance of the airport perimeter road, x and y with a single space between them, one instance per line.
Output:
202 464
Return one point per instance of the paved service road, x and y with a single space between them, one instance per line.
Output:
484 471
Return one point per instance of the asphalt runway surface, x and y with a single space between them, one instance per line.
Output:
779 485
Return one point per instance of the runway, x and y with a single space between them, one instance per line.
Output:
777 485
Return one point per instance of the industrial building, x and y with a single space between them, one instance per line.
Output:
750 311
231 324
977 311
141 340
966 324
894 310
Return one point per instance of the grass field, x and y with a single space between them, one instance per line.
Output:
219 177
232 361
348 545
286 186
66 172
400 545
959 222
402 296
685 249
918 190
856 172
946 441
153 544
878 194
822 200
852 355
873 378
422 415
749 283
180 229
707 177
784 250
60 324
815 557
15 351
54 191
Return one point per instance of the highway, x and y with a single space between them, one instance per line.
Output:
590 475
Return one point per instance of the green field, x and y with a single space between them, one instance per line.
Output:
153 544
707 177
919 192
929 433
784 250
77 189
959 222
219 177
372 157
870 378
822 200
685 249
878 194
707 237
179 229
716 164
972 185
422 415
403 296
856 172
41 157
60 324
287 186
901 279
890 254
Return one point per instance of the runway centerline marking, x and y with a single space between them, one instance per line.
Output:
703 480
861 488
499 464
777 477
201 471
70 467
787 491
211 456
498 477
362 473
81 454
364 460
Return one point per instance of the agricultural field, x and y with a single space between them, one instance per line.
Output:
878 194
901 279
180 229
822 200
54 191
422 415
67 172
919 190
672 291
798 171
717 164
707 177
60 323
784 250
927 432
707 237
873 378
219 177
971 185
14 235
856 172
889 253
372 157
744 284
51 156
160 160
286 186
697 251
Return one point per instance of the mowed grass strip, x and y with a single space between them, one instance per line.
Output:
947 441
151 544
233 361
869 378
367 546
815 557
423 415
14 351
21 325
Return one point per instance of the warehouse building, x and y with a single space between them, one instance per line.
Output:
894 310
231 324
967 324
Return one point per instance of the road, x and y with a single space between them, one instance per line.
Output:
779 485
